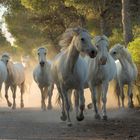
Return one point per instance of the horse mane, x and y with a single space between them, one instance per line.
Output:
125 53
68 35
99 38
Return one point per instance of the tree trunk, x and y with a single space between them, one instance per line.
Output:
104 26
126 22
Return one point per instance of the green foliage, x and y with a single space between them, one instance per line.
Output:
116 37
134 48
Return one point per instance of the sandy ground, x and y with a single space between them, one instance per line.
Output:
32 123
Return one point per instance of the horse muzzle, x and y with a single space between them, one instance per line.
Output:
42 63
92 53
103 61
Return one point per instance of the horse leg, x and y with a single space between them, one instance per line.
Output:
76 100
0 91
70 101
6 95
63 117
43 105
94 100
50 92
130 96
14 96
122 95
67 105
80 117
22 92
104 99
118 93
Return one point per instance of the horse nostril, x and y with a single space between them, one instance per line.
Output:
42 63
93 52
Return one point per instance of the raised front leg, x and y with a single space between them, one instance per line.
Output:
80 116
130 96
13 88
94 100
104 99
6 95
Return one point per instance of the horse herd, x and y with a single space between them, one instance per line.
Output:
82 63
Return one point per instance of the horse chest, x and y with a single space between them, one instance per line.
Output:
71 81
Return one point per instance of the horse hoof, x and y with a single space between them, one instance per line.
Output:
80 118
97 117
22 105
63 118
9 104
89 106
44 109
69 124
131 105
14 107
49 107
105 118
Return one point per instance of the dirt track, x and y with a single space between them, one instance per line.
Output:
32 123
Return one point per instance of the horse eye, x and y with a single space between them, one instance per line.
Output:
82 39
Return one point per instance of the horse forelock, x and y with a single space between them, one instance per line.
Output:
41 48
5 55
101 38
68 35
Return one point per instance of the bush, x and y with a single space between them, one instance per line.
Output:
134 49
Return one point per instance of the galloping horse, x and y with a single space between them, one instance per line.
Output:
101 70
126 73
16 77
69 70
3 74
42 76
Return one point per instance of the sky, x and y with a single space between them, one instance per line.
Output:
4 28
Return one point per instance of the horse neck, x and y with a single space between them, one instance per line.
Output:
72 57
123 62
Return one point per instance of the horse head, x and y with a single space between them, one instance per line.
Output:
80 39
117 51
42 56
102 44
5 58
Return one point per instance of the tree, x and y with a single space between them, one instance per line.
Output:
126 22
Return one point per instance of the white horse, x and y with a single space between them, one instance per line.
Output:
101 70
127 72
3 74
69 70
16 77
42 76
